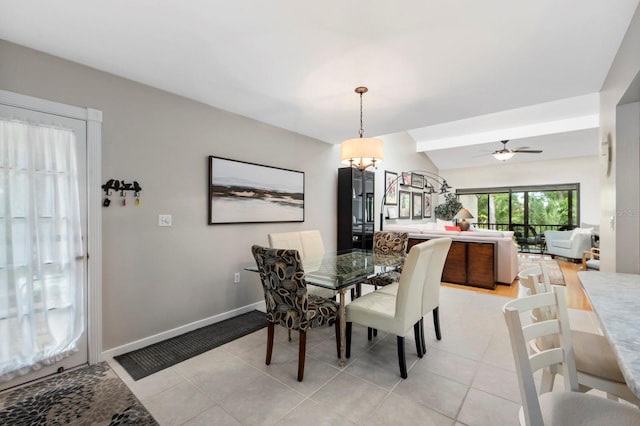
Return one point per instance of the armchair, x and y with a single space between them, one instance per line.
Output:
569 244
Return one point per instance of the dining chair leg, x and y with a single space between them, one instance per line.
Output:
422 341
337 325
401 358
416 334
369 333
348 339
270 332
289 330
436 322
302 348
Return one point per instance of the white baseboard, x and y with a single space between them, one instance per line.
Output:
141 343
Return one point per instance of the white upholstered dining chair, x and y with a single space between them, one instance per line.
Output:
431 289
310 247
395 314
568 407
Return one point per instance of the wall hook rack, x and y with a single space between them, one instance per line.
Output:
122 186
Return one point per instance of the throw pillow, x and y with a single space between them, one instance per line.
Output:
452 228
578 231
442 223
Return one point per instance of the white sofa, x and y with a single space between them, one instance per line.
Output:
569 244
506 249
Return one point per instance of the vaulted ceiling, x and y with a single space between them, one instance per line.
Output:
295 64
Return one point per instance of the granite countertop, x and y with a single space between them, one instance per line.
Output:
615 299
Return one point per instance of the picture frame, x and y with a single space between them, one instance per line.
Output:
406 179
426 209
404 204
417 181
391 188
416 202
392 212
243 192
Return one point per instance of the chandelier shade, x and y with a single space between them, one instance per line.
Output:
361 152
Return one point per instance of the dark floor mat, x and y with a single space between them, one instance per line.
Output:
156 357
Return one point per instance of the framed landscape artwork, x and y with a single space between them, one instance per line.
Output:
404 207
391 188
417 205
241 192
417 181
426 210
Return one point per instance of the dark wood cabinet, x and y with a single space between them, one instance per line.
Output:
468 262
356 202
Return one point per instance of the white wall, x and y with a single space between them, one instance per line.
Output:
582 170
627 201
623 77
400 156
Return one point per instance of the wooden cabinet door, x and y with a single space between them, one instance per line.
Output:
481 265
455 265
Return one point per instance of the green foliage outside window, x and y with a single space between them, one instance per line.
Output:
544 207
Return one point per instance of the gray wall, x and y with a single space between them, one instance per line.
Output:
621 87
157 279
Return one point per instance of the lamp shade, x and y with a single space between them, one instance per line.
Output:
464 214
361 152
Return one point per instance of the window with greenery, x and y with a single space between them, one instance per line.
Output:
538 207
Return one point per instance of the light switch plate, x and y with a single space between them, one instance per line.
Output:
164 220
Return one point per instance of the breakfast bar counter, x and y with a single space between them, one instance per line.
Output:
615 299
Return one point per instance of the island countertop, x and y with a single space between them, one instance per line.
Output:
615 299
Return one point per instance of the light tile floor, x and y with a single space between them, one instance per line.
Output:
467 378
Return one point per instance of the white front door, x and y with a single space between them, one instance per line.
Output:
43 266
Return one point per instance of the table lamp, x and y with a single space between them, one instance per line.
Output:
463 214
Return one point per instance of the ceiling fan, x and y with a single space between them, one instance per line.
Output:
505 154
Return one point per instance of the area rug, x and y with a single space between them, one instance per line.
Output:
526 261
156 357
88 396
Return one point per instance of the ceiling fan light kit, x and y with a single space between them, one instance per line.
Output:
503 156
505 153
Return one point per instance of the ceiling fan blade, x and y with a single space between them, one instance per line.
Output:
528 151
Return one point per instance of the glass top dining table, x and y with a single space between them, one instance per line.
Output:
342 270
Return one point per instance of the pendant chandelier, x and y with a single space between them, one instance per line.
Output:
361 152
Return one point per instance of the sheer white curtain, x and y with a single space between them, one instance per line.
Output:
41 306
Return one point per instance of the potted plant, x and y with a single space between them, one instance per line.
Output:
448 209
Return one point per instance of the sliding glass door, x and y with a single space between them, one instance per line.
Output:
527 210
